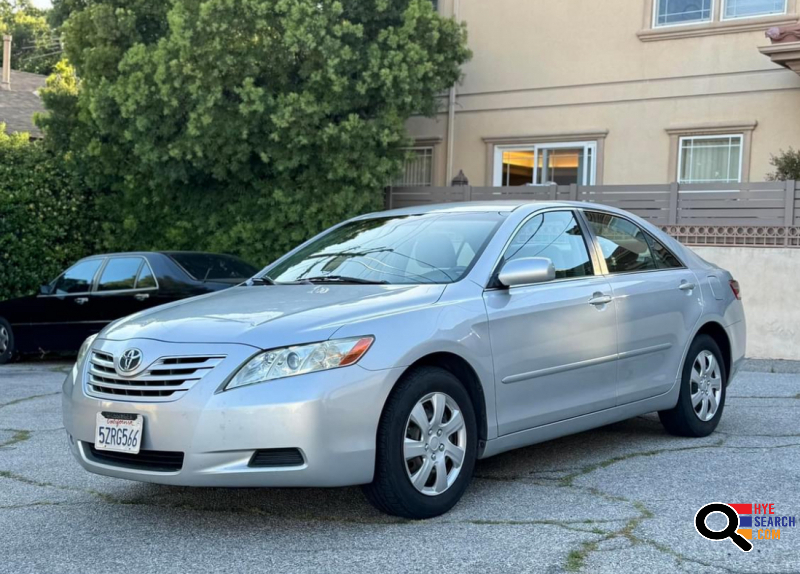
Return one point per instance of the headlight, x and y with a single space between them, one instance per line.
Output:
87 344
291 361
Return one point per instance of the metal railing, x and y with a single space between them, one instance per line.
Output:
757 214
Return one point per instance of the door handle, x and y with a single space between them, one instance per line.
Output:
141 296
81 300
685 286
600 299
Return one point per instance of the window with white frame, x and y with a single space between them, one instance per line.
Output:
544 164
418 169
749 8
710 159
674 12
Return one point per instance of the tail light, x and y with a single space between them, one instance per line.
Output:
737 292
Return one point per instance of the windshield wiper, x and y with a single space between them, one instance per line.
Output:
263 280
343 279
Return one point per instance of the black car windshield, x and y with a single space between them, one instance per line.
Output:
427 248
213 267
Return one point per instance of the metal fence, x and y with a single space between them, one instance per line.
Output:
756 214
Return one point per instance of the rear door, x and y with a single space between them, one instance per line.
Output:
554 344
658 304
126 286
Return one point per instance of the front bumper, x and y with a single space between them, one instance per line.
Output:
331 417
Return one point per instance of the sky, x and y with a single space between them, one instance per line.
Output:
41 3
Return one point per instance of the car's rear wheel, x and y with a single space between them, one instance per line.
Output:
702 395
426 446
6 342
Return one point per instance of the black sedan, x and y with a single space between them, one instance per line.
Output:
102 288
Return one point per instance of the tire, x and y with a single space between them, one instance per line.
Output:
6 342
693 421
392 490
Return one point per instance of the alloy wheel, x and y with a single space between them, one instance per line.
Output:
706 385
435 443
5 338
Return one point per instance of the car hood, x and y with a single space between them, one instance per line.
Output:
270 316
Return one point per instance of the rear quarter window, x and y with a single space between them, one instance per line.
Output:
210 267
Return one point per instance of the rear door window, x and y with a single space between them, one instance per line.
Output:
120 274
624 245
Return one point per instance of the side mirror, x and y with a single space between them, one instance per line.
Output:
527 271
45 290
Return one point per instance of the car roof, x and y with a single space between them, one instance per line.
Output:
120 254
499 206
146 253
171 253
502 206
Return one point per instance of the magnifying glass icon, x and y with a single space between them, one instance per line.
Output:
730 528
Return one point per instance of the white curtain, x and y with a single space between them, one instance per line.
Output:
711 160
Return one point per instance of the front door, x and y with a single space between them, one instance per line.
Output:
658 305
62 319
554 344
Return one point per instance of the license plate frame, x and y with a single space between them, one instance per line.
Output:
118 432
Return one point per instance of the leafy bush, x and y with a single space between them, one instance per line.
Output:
243 126
787 166
43 216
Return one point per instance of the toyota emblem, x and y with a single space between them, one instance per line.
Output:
130 360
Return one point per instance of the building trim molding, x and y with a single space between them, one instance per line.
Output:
786 55
712 128
427 141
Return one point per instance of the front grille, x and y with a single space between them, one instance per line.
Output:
152 460
276 457
166 379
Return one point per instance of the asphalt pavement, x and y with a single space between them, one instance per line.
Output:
618 499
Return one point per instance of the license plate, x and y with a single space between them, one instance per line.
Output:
119 432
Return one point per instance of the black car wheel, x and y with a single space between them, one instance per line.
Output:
426 446
6 342
702 395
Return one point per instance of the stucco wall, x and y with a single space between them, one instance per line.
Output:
576 66
769 278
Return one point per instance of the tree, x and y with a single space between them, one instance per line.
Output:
787 166
242 125
36 46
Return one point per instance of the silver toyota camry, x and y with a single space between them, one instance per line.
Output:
397 348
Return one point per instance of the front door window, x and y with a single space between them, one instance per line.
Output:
78 278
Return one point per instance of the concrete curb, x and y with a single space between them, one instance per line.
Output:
771 366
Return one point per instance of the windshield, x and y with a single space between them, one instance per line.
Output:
211 267
428 248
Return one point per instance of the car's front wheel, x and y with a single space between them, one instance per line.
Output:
426 446
702 396
6 342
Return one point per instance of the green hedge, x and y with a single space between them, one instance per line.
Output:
44 216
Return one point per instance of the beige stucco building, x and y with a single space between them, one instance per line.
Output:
612 92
